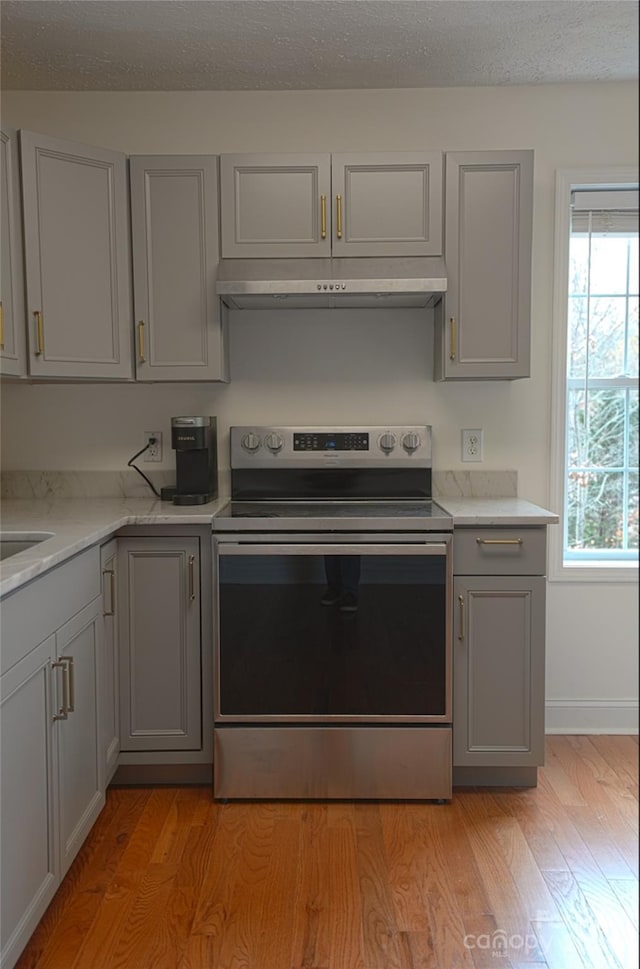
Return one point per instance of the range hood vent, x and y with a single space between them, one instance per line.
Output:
337 283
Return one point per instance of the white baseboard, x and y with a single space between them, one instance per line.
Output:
591 716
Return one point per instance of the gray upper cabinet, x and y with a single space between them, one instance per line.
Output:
368 204
13 355
482 326
77 259
387 204
272 205
174 213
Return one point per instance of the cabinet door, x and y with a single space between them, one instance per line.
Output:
174 224
272 206
28 824
80 760
160 691
387 204
13 356
498 669
483 324
76 235
109 676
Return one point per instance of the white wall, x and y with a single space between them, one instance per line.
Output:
360 366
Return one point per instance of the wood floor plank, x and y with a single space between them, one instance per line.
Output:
383 947
626 890
589 939
311 931
346 941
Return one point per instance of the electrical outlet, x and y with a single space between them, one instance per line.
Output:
472 444
154 452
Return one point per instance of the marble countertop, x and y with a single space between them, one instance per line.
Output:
78 523
484 512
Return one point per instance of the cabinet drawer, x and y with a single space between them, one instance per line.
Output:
32 613
500 551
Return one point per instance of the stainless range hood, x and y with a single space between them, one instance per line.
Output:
413 281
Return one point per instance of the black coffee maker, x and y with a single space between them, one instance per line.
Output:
194 440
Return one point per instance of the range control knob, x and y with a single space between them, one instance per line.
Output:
274 442
387 442
251 442
411 442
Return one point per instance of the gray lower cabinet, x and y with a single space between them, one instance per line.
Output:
499 647
160 654
13 355
357 204
482 326
77 259
51 768
110 695
80 768
180 333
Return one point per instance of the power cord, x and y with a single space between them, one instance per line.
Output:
130 464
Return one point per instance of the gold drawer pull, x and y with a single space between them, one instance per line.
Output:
39 333
454 340
323 216
499 541
112 598
141 355
339 216
63 714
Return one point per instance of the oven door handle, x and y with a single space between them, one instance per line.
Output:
428 548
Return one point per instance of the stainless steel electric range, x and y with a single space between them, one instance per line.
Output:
333 617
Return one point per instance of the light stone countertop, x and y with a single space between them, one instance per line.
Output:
78 523
485 512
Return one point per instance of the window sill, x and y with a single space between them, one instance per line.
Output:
595 572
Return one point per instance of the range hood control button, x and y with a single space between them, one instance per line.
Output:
251 442
411 442
387 442
274 442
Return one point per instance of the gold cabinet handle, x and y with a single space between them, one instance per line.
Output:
339 216
461 634
63 713
141 356
323 216
192 592
453 351
1 327
499 541
72 685
39 333
112 595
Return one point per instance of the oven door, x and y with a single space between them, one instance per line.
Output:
285 655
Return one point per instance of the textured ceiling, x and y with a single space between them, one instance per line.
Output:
192 45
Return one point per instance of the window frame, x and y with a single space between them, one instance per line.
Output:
567 181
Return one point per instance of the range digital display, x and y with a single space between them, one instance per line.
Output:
330 441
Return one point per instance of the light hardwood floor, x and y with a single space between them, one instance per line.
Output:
497 879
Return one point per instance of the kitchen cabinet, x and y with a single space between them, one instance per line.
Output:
13 354
180 333
357 204
482 325
109 670
77 259
160 643
498 647
52 778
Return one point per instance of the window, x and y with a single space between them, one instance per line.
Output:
597 376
